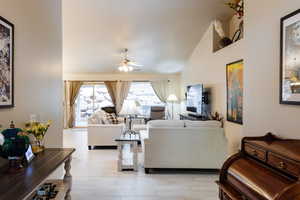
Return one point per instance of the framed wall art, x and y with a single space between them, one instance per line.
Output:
6 63
290 59
235 87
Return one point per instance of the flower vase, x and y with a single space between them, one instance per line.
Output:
38 146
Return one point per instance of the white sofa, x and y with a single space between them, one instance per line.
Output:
104 134
184 145
100 134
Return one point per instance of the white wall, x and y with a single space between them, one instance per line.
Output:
262 111
260 50
209 68
38 64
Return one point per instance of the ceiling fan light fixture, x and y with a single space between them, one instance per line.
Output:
120 68
125 68
126 64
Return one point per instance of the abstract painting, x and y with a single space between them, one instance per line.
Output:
6 64
290 59
235 87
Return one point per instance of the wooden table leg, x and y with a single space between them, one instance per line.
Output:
68 178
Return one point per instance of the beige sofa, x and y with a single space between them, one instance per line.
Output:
184 145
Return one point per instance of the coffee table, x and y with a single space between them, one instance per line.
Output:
128 151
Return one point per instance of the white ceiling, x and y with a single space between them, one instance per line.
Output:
160 34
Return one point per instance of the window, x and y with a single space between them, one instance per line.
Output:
91 98
140 99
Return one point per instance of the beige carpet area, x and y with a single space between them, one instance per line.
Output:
95 176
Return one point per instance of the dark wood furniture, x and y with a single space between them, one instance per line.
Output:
23 184
267 168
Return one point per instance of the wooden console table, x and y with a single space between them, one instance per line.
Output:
21 186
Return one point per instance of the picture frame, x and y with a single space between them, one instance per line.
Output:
289 88
235 89
6 63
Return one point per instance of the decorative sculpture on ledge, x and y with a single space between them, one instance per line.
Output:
225 41
237 6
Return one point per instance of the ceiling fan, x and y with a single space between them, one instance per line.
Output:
128 65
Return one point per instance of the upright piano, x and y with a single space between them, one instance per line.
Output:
266 168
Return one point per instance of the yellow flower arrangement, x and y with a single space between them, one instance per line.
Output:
37 129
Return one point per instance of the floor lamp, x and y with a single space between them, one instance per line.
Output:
172 98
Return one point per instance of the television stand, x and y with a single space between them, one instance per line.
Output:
192 117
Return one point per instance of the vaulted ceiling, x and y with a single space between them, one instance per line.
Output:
160 34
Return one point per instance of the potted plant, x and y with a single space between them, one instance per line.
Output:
217 116
38 130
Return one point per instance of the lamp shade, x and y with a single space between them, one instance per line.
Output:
172 98
129 108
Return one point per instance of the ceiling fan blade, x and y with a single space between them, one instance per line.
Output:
134 64
137 69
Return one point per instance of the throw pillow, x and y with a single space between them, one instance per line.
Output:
111 118
93 120
97 118
109 109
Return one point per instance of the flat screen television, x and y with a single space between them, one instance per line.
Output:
194 98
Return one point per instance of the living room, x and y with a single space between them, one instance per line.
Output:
64 61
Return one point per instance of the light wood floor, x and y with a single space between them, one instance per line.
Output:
95 176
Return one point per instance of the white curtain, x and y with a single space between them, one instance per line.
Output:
122 93
112 90
160 88
72 89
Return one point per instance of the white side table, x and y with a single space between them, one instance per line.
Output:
128 152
